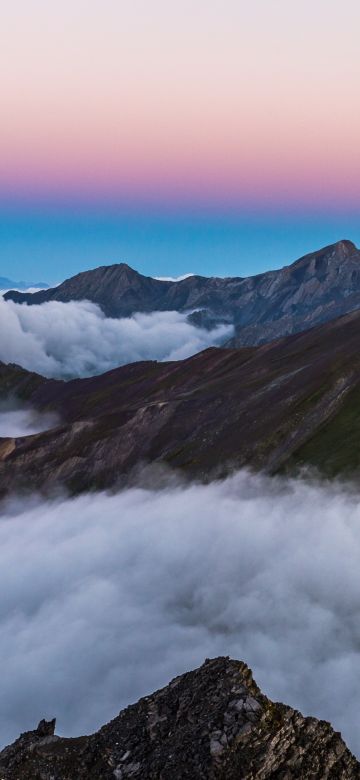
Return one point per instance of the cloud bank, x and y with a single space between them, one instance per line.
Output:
16 421
106 597
75 339
173 278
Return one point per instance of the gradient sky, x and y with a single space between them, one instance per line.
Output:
219 136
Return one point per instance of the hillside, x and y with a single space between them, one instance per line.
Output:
213 723
319 287
6 284
279 406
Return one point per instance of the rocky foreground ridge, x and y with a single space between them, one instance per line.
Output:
210 724
317 288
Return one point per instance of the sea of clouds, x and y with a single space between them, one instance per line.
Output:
106 597
18 420
76 339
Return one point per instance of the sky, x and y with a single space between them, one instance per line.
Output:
215 136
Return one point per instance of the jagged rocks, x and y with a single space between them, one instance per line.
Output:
213 723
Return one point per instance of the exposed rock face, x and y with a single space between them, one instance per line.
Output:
317 288
213 723
293 402
314 289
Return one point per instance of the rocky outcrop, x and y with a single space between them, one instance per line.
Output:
213 723
317 288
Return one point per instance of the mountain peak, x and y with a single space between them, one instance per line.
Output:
118 269
122 267
342 249
346 246
214 722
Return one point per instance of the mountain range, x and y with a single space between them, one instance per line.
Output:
211 723
7 284
283 398
315 289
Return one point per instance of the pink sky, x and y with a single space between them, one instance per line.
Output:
206 101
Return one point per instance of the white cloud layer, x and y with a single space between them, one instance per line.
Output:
76 339
105 598
172 278
16 421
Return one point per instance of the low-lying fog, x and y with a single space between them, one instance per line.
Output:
75 339
106 597
19 421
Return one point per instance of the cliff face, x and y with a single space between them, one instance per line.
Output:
213 723
318 287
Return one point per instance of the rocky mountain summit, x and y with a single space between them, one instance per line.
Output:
210 724
319 287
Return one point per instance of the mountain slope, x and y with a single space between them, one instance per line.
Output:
317 288
210 724
220 410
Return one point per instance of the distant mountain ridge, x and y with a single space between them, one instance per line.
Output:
7 284
316 288
120 292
